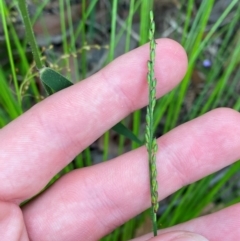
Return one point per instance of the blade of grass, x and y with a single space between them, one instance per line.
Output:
129 26
218 90
146 6
62 8
7 100
195 40
83 38
187 21
29 33
110 58
9 49
85 16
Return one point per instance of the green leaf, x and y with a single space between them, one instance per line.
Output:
123 130
54 80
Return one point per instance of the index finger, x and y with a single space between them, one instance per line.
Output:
45 139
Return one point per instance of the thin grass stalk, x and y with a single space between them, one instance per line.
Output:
9 50
129 26
68 168
212 31
221 85
211 78
121 141
72 41
3 121
110 58
30 34
187 21
193 200
64 31
24 70
146 5
20 49
232 202
181 205
195 195
127 230
7 100
92 22
193 44
234 61
231 90
125 25
31 39
165 218
199 25
237 105
198 47
113 31
196 205
151 142
24 65
92 5
88 158
212 194
130 226
39 11
116 234
79 161
83 39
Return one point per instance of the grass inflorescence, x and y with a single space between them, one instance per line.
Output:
151 142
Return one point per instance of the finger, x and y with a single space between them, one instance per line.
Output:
45 139
220 226
11 223
109 194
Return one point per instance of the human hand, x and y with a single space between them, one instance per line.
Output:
88 203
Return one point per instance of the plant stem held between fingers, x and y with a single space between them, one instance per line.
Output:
151 142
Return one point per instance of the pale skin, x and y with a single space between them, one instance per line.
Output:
89 203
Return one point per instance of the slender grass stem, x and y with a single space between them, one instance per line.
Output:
83 38
113 31
129 26
62 8
151 142
30 34
10 54
110 58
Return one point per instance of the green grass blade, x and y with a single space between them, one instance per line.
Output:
9 50
54 80
123 130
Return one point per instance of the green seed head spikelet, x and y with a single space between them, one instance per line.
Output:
151 142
